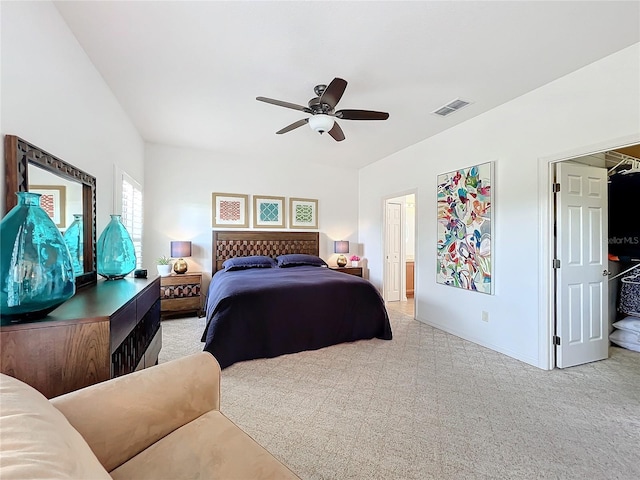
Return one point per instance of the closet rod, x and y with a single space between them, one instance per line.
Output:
626 271
634 162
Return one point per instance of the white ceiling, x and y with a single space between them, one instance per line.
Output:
187 73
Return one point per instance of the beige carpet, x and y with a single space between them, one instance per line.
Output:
428 405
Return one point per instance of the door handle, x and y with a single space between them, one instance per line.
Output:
606 273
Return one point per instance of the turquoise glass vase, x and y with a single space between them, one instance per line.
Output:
116 253
74 238
35 266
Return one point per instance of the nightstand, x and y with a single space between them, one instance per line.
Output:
357 271
180 294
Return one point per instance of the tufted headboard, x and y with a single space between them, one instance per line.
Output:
228 244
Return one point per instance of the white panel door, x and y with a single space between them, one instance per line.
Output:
581 280
393 245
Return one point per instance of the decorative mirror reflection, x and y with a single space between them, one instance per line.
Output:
68 195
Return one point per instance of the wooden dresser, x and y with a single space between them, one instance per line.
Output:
103 331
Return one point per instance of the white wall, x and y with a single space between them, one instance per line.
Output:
410 227
52 96
179 183
596 105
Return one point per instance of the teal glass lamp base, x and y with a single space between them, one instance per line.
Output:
116 252
36 272
74 238
35 313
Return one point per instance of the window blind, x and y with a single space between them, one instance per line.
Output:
132 210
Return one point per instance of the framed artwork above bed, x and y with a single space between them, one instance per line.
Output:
303 213
230 210
268 212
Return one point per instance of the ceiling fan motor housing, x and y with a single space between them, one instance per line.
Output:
317 107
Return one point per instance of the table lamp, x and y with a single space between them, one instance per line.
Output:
341 247
180 250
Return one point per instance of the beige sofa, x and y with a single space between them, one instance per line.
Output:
160 423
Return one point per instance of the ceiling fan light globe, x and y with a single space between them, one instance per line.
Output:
321 123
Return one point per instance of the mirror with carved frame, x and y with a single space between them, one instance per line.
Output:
28 167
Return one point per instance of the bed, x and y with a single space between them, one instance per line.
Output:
266 312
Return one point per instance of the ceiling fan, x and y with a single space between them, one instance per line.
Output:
322 110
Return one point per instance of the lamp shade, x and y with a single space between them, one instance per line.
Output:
341 246
180 249
321 123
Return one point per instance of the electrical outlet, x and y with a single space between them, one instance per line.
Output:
485 316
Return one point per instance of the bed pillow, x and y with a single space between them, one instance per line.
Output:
630 324
626 339
298 259
253 261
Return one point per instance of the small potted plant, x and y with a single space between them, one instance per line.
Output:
163 265
354 260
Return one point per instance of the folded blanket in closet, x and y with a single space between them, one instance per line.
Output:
629 298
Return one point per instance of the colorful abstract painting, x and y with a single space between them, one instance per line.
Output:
230 210
303 213
268 212
464 228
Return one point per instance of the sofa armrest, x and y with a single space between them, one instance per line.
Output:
121 417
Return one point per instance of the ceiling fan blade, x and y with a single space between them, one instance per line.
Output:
361 115
336 132
332 95
293 126
280 103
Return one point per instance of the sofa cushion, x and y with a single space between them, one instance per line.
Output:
37 440
121 417
211 446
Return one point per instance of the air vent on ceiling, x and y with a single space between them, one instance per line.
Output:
451 107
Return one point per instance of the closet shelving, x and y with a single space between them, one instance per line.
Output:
622 160
624 246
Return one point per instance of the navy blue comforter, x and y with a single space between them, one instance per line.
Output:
266 312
